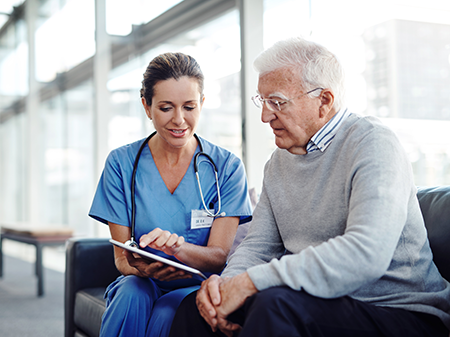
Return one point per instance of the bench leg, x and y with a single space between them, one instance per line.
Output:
1 257
39 271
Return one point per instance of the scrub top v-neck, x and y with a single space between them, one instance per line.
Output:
156 206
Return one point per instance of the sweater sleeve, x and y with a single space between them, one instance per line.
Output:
261 244
380 185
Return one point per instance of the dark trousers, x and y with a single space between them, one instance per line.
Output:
281 311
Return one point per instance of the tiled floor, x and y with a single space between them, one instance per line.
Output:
22 313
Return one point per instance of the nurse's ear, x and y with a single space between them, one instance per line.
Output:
146 108
202 100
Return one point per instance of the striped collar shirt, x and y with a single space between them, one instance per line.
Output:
325 135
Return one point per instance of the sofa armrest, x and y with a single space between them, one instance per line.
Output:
435 206
89 264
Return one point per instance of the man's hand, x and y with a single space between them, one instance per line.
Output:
208 297
217 298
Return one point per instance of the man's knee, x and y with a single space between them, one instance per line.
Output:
187 319
276 299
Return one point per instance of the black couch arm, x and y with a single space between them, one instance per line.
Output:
89 264
435 205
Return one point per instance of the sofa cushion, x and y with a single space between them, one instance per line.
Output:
435 206
88 311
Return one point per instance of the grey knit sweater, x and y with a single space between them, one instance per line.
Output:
344 222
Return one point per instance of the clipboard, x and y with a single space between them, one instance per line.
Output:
158 258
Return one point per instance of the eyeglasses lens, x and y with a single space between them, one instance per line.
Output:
272 105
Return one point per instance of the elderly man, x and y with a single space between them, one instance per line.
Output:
337 245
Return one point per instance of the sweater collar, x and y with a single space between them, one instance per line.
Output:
322 138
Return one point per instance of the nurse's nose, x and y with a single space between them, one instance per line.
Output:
178 116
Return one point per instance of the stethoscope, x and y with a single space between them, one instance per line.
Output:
132 241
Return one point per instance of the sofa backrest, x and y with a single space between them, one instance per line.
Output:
435 205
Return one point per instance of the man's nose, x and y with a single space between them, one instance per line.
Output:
267 115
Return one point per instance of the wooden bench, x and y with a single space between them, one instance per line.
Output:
38 237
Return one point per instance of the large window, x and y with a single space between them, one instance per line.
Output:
13 64
215 45
65 36
121 16
68 157
396 55
12 170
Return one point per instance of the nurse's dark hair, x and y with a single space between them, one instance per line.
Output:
167 66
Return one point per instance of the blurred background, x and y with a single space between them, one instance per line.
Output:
71 70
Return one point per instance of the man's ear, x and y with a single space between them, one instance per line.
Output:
326 102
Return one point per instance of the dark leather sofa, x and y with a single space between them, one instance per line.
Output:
90 264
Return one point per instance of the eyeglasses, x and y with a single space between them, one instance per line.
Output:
274 104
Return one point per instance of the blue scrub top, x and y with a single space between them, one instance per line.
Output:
156 206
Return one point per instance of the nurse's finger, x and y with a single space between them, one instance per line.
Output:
131 258
174 241
178 275
150 270
160 242
148 238
165 272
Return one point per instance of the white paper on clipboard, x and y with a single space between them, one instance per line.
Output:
155 257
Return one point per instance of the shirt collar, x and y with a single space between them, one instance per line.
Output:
325 135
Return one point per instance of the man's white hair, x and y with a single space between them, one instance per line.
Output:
317 66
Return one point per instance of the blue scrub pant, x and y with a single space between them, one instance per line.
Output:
136 306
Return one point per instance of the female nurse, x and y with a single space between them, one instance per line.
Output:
169 207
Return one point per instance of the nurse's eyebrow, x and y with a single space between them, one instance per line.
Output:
170 102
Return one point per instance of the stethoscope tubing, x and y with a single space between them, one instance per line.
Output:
132 241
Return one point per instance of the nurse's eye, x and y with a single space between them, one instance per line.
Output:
189 108
165 109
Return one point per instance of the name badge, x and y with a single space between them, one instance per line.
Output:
200 219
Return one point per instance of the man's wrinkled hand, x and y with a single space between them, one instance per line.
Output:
218 298
233 291
208 298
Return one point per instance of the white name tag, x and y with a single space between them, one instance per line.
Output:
200 219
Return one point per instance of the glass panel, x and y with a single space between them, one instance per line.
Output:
68 154
121 16
128 121
65 37
12 170
13 64
54 144
215 46
79 156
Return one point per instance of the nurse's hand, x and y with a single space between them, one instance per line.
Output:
151 269
169 243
